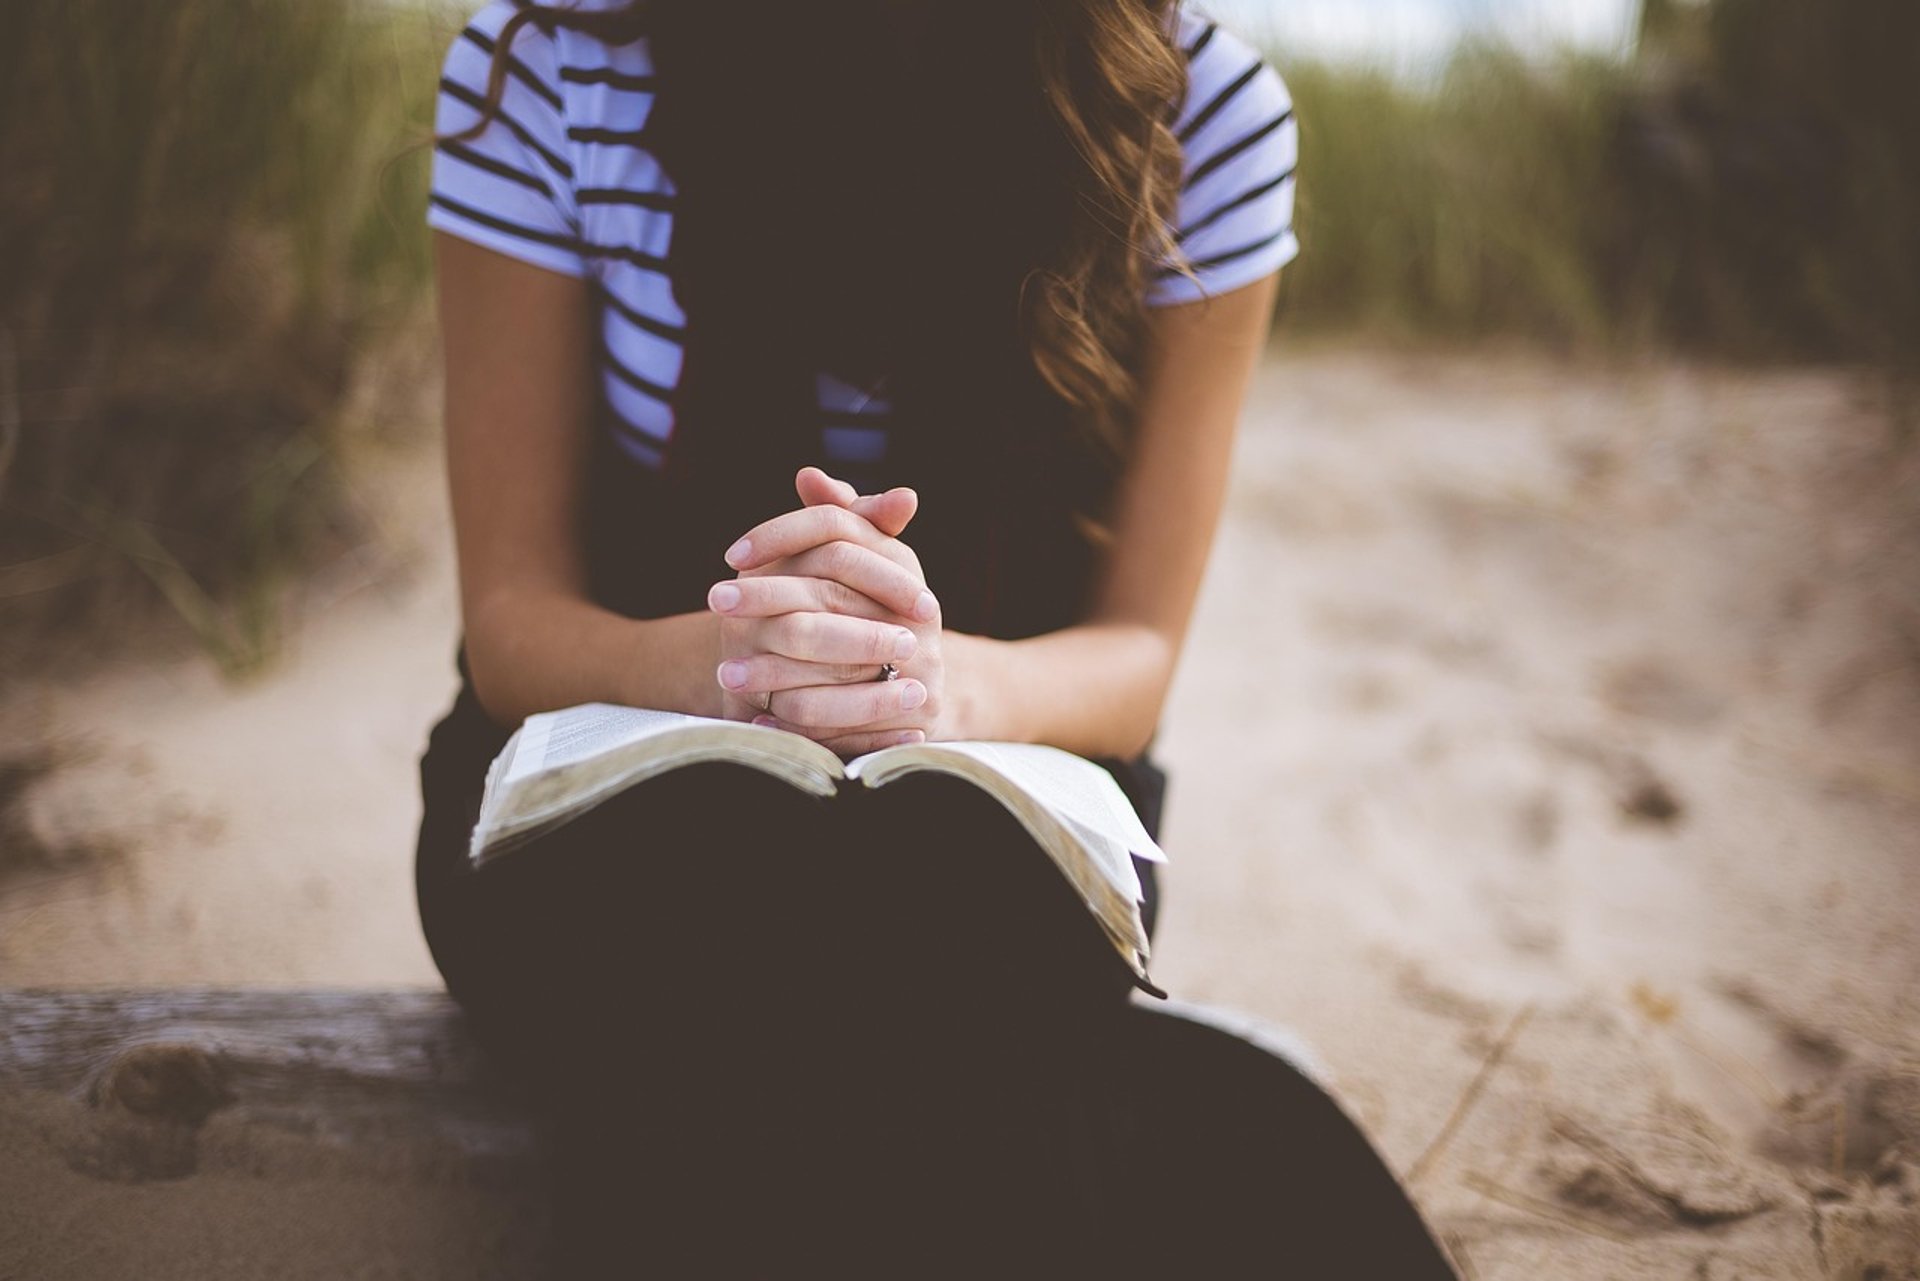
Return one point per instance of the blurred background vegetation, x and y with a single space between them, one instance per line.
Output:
214 275
1746 185
210 240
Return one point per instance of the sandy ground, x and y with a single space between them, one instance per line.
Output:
1543 754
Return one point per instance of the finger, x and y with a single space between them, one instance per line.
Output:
892 732
846 707
763 596
889 512
900 588
791 533
815 486
807 565
861 744
752 676
894 724
832 638
838 578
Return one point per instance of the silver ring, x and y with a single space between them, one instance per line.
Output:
766 704
888 672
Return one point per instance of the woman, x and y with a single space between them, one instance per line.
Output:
868 369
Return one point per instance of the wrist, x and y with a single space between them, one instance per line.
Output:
1095 689
975 710
669 663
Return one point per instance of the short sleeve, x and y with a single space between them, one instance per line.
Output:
509 187
1234 218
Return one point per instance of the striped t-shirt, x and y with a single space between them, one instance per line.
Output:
562 179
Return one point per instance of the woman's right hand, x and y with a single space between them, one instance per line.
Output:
829 614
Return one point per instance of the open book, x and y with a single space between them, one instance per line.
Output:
557 765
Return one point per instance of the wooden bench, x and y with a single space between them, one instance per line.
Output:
211 1133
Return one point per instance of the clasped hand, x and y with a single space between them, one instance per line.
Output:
825 595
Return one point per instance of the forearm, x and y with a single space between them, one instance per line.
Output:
1096 689
537 652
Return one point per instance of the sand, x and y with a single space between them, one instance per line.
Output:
1543 755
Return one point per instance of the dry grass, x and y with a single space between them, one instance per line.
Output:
1748 187
209 218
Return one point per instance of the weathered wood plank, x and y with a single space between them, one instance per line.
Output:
336 1063
217 1133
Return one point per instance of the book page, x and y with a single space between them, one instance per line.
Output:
1095 862
553 740
558 764
1073 787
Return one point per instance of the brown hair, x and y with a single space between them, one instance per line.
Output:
1036 241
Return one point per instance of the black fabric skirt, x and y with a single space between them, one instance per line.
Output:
772 1034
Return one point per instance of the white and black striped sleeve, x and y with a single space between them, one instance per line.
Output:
510 187
1234 219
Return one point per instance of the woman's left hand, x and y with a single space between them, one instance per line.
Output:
824 539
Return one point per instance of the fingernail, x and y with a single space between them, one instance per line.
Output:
724 596
912 696
908 736
904 644
925 607
733 673
738 553
765 720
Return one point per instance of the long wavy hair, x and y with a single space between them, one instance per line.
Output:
974 219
